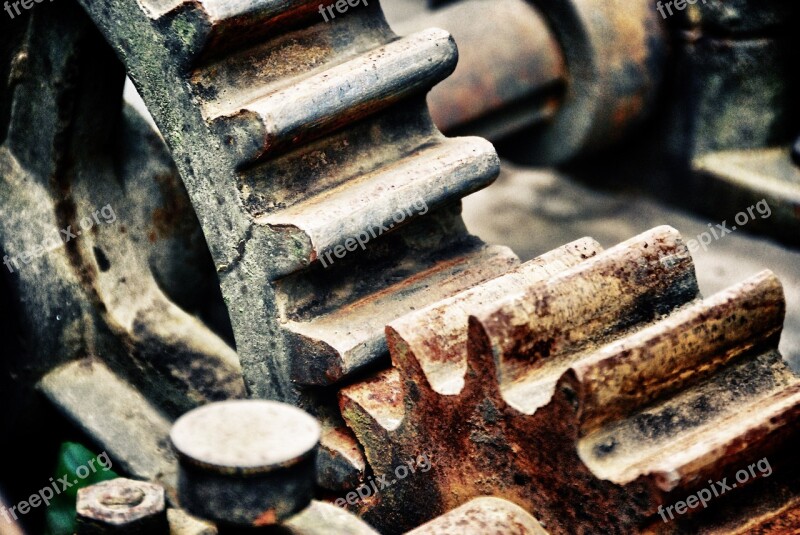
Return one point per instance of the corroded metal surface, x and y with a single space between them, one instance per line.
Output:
246 462
121 506
293 139
567 76
584 376
609 383
308 131
480 516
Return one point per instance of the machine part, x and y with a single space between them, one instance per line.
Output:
492 92
744 178
737 17
615 53
247 463
121 506
321 518
481 516
295 137
182 523
341 465
732 105
592 71
117 284
609 383
108 409
239 151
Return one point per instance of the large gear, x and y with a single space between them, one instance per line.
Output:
330 206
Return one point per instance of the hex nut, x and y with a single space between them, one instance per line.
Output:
121 506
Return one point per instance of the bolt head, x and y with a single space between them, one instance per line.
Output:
120 503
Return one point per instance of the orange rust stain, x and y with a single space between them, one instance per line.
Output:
267 518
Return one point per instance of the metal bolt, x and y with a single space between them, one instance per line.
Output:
121 506
246 462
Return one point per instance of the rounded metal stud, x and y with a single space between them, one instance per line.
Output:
246 462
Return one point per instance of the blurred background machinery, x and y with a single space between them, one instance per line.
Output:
283 143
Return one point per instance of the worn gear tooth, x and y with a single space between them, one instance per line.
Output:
536 336
746 412
374 408
336 344
340 461
479 516
342 94
364 207
689 362
677 352
430 344
210 27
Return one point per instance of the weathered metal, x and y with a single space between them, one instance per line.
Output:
247 463
568 77
277 184
581 377
510 74
743 178
609 383
121 506
481 516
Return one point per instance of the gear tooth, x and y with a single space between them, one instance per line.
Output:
678 374
679 351
435 337
342 94
536 335
406 361
374 410
336 344
481 378
218 26
432 177
340 462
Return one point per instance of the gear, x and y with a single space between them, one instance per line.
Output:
594 393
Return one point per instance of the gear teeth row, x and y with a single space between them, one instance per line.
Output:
294 137
605 381
333 346
439 349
